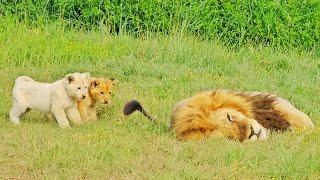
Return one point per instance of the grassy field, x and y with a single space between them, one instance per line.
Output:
158 71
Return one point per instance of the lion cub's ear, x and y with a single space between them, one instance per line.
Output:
95 83
87 74
69 78
114 81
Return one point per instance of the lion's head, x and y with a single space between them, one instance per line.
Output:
101 89
232 124
210 114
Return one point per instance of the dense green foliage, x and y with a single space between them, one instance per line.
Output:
280 23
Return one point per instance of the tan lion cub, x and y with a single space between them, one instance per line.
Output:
58 99
100 89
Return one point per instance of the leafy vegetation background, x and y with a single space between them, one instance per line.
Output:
278 23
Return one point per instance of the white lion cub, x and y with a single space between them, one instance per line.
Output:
58 99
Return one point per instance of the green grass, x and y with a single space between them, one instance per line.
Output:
158 71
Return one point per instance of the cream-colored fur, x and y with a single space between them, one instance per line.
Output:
58 99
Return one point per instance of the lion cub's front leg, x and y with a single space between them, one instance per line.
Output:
49 116
60 116
92 113
83 110
74 115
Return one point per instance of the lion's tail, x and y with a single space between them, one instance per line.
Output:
133 106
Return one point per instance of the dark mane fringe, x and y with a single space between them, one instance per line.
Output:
264 112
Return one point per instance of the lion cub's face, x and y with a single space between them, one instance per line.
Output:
77 85
101 89
238 127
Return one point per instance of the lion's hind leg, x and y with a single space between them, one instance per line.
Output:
18 109
296 118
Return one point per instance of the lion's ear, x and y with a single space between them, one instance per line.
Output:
95 83
87 74
230 118
114 81
69 78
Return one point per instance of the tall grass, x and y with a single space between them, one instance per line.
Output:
276 23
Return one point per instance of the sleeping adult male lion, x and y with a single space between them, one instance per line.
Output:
236 115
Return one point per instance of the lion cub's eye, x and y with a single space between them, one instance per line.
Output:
110 93
86 87
102 93
79 88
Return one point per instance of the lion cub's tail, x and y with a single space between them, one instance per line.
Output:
133 106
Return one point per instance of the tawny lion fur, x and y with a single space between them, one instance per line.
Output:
205 114
100 90
236 115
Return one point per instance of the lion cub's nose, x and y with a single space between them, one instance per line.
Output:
105 102
83 96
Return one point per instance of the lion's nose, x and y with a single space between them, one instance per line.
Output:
106 102
252 132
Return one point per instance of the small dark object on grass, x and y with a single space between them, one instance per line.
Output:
133 106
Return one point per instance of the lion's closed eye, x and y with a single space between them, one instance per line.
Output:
230 118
